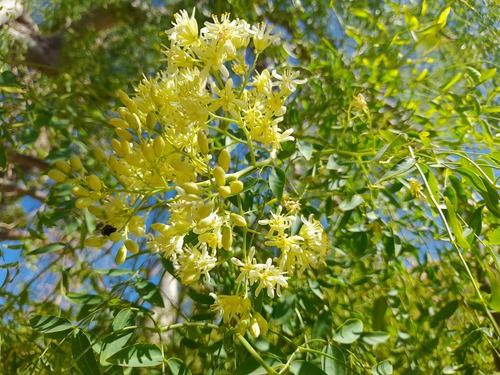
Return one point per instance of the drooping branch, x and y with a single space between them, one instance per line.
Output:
44 52
26 162
11 189
13 234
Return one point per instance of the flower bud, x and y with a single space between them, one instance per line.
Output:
79 191
121 255
115 237
95 241
57 175
224 160
94 182
150 121
205 210
125 147
124 134
159 146
254 328
236 187
148 152
132 246
117 147
203 142
220 176
82 203
99 154
192 188
76 163
119 123
63 166
238 220
224 191
227 238
133 120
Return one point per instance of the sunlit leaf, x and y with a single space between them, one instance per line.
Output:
83 354
349 332
52 326
139 355
305 368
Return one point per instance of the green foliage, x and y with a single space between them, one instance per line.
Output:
395 151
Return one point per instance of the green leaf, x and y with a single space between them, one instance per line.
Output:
252 367
400 170
488 74
82 352
455 225
374 338
494 237
305 368
149 292
305 148
322 325
443 16
476 181
378 316
87 299
118 338
383 368
3 156
50 248
494 282
277 180
350 331
349 205
114 272
52 326
178 367
451 82
334 363
138 355
446 312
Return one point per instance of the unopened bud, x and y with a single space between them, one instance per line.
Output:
124 134
224 159
99 154
238 220
150 121
254 328
203 142
227 238
115 237
132 246
121 255
236 187
57 175
220 176
224 191
148 152
63 166
192 188
82 203
117 147
76 163
94 182
133 120
159 146
119 123
79 191
95 241
205 210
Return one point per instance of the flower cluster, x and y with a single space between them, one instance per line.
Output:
176 147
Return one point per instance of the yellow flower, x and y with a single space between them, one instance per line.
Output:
185 30
232 309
